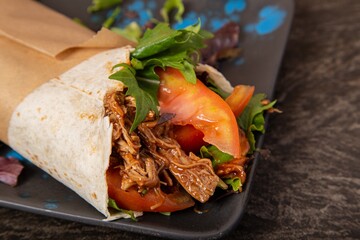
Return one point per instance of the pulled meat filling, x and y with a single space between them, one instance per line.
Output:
149 157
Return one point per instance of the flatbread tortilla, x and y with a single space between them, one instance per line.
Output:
61 127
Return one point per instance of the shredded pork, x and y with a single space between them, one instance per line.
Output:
150 157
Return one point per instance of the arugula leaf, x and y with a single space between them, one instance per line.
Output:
112 204
98 5
145 100
132 31
252 119
111 19
188 72
215 155
169 5
166 47
218 90
218 157
155 40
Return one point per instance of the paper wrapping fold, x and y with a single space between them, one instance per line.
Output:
38 44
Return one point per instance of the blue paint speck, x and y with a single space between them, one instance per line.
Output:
144 15
51 204
270 19
239 61
233 6
250 27
190 18
136 6
70 197
24 195
96 18
217 23
126 22
235 17
45 176
152 5
15 155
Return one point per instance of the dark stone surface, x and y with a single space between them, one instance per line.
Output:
309 186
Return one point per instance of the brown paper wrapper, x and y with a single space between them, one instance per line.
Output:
37 44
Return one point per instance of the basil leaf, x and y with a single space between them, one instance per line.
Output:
252 119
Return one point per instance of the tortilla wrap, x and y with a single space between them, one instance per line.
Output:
61 127
60 124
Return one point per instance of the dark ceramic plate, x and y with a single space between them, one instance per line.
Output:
265 26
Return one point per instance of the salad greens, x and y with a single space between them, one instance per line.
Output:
170 5
164 47
132 31
216 156
235 183
145 100
98 5
252 119
159 47
112 204
111 19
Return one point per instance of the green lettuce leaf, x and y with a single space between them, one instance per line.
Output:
112 204
215 155
235 183
218 157
252 119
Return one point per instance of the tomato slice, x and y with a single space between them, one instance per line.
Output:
239 98
132 200
189 138
200 107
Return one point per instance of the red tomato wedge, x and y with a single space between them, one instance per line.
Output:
200 107
239 98
132 200
189 138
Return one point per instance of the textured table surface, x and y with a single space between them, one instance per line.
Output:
309 184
